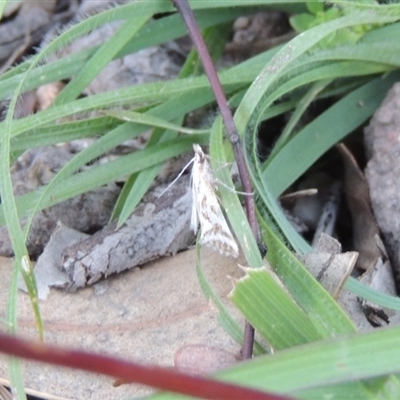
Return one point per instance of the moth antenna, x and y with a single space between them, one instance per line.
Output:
179 175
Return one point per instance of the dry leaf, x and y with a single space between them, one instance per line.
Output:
365 227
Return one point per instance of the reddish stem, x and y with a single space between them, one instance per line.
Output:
157 377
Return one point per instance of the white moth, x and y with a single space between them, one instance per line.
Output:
206 210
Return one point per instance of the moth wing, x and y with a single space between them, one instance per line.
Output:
206 210
215 232
221 241
195 177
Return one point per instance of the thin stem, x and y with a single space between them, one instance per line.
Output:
248 340
195 34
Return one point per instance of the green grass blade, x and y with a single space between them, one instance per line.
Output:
340 360
301 108
365 292
3 5
103 174
64 132
14 229
149 120
337 368
155 33
16 378
231 204
271 310
137 185
290 53
105 54
143 179
324 312
322 133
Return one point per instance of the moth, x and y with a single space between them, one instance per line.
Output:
215 232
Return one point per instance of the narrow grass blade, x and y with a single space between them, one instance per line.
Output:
105 54
149 120
322 133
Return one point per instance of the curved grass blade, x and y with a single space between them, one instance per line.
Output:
290 53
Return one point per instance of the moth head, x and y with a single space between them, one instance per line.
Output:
198 153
